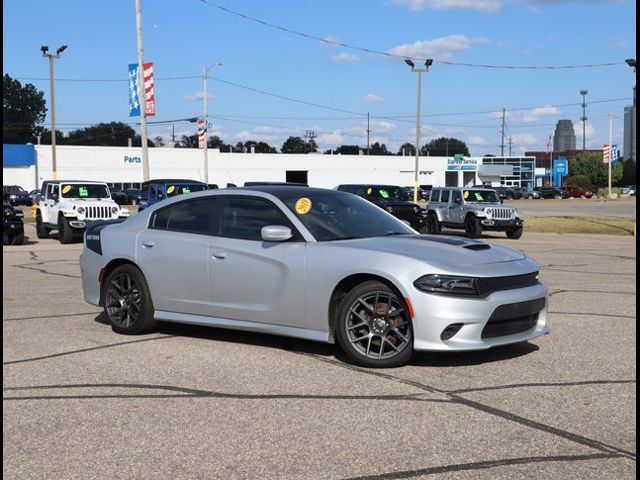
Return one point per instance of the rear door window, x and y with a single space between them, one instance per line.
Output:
194 216
445 196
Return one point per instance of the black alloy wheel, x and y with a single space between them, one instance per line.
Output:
41 230
374 326
127 301
472 227
433 226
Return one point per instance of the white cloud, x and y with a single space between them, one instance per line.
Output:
477 140
370 97
438 48
589 131
483 5
344 57
330 41
525 139
528 116
199 96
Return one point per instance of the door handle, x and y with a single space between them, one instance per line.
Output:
219 255
148 244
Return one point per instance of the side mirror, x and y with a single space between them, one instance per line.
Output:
276 233
54 197
459 201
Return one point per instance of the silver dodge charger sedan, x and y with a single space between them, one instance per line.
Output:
310 263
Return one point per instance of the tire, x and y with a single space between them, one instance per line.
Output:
41 230
372 337
134 202
530 197
472 227
17 239
515 234
433 226
127 301
65 232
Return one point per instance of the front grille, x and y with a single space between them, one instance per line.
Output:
97 213
486 286
499 213
404 212
513 318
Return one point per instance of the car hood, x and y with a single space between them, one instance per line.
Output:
438 250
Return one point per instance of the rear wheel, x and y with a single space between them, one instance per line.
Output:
472 227
433 226
515 234
127 301
374 326
65 232
41 230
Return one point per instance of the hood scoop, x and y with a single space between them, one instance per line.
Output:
477 246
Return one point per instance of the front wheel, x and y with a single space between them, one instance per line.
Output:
17 239
374 326
472 227
515 234
41 230
433 226
65 232
127 301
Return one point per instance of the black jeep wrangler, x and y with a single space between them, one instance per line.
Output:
391 198
12 225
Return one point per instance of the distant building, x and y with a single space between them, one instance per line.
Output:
564 138
630 132
542 158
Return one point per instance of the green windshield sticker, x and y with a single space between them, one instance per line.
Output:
478 196
83 192
384 194
186 190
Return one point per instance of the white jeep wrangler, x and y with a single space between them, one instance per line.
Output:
67 206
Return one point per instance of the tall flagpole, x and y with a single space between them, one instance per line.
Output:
142 94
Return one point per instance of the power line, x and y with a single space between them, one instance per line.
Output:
402 57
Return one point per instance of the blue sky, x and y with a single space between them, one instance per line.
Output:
181 37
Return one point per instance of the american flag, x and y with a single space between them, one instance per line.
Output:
150 106
606 153
549 144
201 133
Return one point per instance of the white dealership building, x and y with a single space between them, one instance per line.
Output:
29 165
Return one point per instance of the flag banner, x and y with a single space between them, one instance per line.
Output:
549 145
606 153
201 133
150 107
134 99
615 153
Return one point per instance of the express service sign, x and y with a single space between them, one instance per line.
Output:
462 163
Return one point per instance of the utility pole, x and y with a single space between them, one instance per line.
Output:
584 118
142 95
205 120
610 153
368 132
309 136
510 145
502 141
44 49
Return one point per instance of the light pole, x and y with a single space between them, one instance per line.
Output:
51 56
584 117
632 114
206 95
427 64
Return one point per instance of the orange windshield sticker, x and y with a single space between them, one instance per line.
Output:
171 189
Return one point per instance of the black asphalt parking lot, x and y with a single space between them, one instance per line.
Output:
189 402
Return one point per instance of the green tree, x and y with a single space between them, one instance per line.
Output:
445 147
591 165
188 141
260 147
348 150
379 149
112 134
298 145
409 149
23 107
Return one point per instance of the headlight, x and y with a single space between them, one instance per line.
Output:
388 209
8 212
12 197
80 210
447 284
114 210
416 209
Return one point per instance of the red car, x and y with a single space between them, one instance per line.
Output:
576 192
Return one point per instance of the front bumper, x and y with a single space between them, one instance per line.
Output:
501 225
434 313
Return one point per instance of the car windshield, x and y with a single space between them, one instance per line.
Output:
339 216
14 189
480 196
178 189
84 190
387 192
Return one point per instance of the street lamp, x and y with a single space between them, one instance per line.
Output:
51 56
427 64
204 126
584 117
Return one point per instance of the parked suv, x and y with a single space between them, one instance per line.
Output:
391 198
576 192
67 206
474 209
16 195
527 193
12 224
154 191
